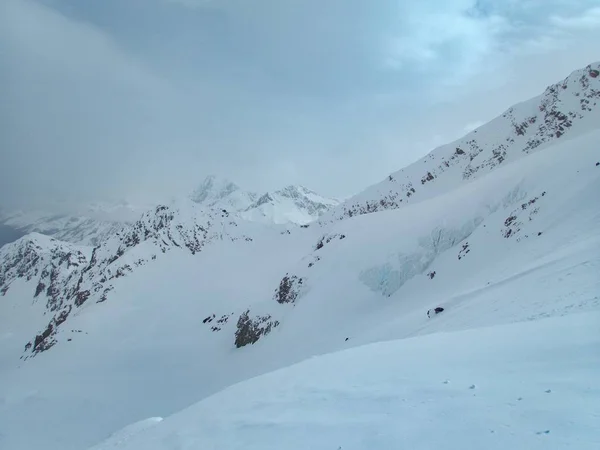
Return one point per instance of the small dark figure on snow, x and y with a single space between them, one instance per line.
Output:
433 312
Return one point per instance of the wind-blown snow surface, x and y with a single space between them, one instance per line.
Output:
187 286
522 386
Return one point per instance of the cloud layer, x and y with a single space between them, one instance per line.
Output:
142 99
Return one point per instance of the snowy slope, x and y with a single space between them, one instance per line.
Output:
565 110
510 386
182 226
189 300
166 336
290 205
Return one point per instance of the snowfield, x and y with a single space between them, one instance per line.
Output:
527 386
244 333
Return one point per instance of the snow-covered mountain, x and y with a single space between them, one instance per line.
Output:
191 299
94 223
84 225
220 193
564 110
292 204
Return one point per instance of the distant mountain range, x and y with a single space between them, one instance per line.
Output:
91 224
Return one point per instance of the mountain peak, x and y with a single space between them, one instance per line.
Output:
293 203
213 189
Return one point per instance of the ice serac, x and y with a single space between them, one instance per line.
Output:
565 110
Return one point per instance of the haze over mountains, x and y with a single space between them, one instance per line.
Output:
173 309
93 223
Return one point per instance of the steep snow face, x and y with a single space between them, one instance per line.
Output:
457 250
220 193
295 204
565 110
504 387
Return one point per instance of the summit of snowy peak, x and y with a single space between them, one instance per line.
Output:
564 110
301 192
221 192
292 204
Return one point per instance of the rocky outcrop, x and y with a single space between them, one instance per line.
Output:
50 264
251 329
69 276
289 289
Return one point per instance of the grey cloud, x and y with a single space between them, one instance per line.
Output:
142 99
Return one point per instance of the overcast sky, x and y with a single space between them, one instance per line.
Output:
141 99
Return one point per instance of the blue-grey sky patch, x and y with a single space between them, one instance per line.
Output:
141 99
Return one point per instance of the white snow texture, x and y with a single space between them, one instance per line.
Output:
287 321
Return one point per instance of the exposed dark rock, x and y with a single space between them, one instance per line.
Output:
289 289
250 330
464 251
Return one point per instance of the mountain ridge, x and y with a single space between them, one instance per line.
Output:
522 129
292 204
191 299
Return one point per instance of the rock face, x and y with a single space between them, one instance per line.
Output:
560 111
46 261
250 330
53 267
